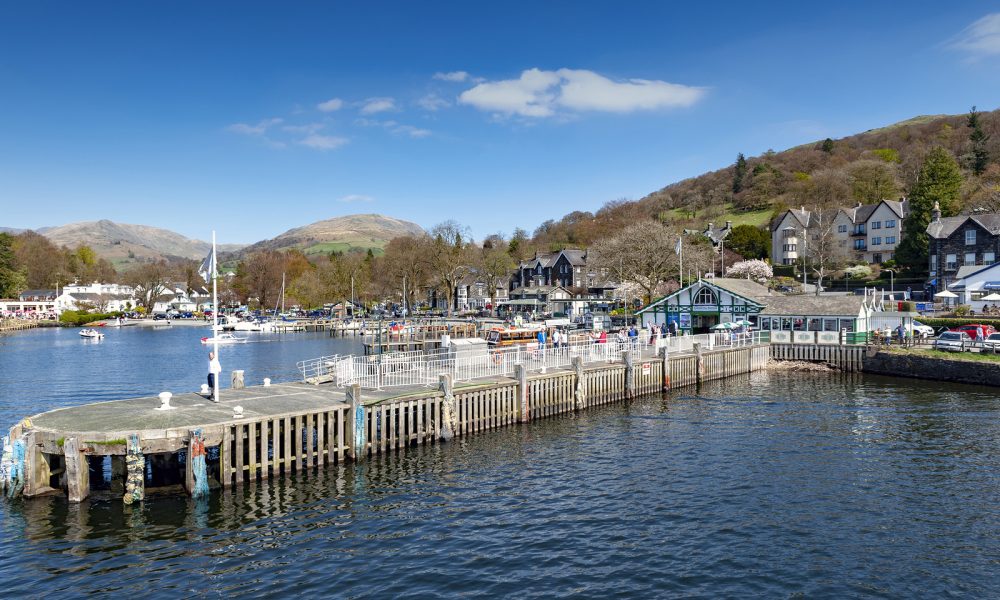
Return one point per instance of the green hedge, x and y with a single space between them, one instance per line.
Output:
957 321
78 318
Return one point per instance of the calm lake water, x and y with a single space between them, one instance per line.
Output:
772 484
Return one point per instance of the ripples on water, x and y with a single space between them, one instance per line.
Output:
772 484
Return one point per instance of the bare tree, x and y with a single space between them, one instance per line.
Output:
642 253
448 258
493 266
822 252
149 281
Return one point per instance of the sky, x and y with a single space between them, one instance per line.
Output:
253 118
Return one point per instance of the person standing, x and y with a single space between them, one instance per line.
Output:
901 334
214 370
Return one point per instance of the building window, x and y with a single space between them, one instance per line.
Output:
876 241
989 258
877 258
933 264
890 240
970 237
876 225
859 245
950 262
789 247
970 258
859 229
890 223
841 228
704 296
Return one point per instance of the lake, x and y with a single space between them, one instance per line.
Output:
771 484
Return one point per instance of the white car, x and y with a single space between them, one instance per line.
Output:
953 341
992 342
918 329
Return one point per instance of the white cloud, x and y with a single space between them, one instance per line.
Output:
357 198
323 142
377 105
454 76
410 130
331 105
258 129
307 128
433 102
980 39
540 93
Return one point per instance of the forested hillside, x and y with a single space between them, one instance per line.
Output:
877 164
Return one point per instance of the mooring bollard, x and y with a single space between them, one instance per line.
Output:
237 380
267 382
237 412
165 401
204 389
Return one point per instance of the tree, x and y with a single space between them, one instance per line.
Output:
448 258
822 250
642 253
493 266
979 155
518 246
42 261
939 183
149 281
755 269
749 241
827 146
405 257
739 173
872 181
12 280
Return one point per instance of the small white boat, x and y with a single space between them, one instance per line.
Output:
92 334
223 338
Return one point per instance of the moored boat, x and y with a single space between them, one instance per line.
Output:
223 338
92 334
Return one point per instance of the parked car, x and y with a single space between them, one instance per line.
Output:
992 342
976 331
953 341
918 329
160 317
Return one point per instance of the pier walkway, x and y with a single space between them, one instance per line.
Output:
120 448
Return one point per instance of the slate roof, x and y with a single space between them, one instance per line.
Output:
943 228
813 306
801 215
743 287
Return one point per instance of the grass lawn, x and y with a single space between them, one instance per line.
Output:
756 218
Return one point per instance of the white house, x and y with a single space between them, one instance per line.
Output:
973 282
868 232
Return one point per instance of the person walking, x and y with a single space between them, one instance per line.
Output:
214 370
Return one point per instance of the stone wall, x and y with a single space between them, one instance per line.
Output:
938 367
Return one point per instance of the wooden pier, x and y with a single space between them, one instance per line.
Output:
17 324
266 432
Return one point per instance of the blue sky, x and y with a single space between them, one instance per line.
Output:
254 118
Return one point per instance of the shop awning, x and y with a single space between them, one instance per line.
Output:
992 285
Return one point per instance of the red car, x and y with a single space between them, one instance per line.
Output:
976 331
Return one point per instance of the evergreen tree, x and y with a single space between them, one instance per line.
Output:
12 280
739 173
749 242
939 182
827 146
979 158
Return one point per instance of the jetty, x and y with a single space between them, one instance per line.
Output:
344 409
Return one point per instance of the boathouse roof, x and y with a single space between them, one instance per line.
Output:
814 306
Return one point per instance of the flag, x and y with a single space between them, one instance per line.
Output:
677 247
207 268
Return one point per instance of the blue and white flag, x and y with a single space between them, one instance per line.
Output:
207 268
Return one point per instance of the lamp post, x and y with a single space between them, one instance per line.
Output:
892 285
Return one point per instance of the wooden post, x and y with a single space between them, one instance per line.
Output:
521 373
77 472
700 358
355 423
447 426
117 475
666 368
580 393
237 380
189 465
629 375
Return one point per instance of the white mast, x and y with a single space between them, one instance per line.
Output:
215 317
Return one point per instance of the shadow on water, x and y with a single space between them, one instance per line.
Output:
769 484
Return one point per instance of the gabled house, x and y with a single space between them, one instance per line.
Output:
958 242
698 307
866 232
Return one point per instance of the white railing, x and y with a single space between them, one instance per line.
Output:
416 368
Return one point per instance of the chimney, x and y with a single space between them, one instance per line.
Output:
729 224
709 227
803 209
936 213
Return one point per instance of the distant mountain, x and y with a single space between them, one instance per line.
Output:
123 243
340 234
11 230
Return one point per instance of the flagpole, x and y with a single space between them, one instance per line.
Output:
215 318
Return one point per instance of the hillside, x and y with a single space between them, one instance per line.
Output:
865 167
123 244
340 234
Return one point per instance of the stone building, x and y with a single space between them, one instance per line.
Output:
866 232
957 242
